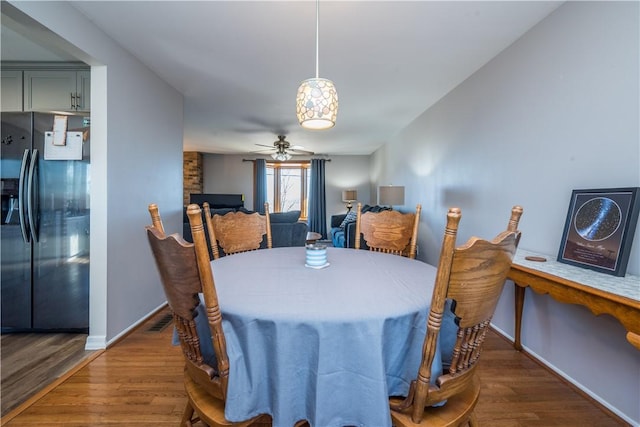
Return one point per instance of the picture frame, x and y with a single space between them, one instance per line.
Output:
599 229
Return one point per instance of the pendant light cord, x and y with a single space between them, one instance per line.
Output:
317 37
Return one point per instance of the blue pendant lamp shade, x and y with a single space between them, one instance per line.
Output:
317 100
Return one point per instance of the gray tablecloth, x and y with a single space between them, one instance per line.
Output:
326 345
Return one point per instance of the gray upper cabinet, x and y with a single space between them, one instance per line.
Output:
66 90
83 86
11 90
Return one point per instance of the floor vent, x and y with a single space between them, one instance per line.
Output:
161 323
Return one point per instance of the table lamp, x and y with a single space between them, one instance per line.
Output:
390 195
349 196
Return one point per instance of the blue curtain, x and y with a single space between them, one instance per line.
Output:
260 187
317 201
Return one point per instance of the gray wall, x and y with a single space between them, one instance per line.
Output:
556 111
136 159
227 174
346 173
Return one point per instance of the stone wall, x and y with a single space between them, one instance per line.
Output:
192 174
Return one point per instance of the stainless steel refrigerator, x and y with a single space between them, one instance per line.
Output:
45 222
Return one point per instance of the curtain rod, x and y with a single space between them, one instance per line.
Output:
286 161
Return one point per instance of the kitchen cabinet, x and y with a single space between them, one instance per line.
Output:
50 90
11 90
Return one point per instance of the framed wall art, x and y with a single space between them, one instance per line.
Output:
599 229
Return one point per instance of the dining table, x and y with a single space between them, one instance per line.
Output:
328 345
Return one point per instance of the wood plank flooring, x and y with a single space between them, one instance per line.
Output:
138 381
518 391
31 361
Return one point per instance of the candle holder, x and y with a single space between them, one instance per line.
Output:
316 256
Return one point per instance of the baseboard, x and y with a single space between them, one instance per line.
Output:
99 342
96 342
576 385
135 325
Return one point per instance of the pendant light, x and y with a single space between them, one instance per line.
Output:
317 100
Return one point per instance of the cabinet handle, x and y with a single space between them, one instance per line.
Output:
78 99
73 101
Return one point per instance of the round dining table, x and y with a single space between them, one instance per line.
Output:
328 345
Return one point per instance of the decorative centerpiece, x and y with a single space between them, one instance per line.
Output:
316 256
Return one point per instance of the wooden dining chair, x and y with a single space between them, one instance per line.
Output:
468 284
155 217
236 232
185 271
388 231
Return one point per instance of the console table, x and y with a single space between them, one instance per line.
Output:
601 293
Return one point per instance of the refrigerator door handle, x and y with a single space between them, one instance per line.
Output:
32 194
21 197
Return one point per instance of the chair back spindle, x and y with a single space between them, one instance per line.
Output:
155 217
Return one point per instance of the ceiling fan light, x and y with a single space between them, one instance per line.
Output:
281 157
317 104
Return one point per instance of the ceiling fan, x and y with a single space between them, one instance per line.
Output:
284 150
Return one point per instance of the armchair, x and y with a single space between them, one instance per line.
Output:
345 237
342 237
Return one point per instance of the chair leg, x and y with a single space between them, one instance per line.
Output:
473 421
186 416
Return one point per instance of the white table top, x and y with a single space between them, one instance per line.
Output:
327 345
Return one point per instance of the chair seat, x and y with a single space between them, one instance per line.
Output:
457 411
211 411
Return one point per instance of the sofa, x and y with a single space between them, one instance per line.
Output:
343 227
342 235
286 229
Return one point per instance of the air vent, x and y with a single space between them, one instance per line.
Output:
161 323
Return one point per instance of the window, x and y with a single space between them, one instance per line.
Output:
288 187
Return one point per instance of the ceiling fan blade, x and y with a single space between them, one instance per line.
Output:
299 151
270 146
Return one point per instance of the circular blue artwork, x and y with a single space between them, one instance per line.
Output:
597 219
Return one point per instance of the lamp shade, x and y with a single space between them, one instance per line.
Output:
349 195
281 156
391 195
317 104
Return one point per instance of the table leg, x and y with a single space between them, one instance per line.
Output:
519 301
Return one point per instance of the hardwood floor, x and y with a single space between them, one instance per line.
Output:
139 381
32 361
518 391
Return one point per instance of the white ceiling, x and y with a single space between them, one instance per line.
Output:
239 63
